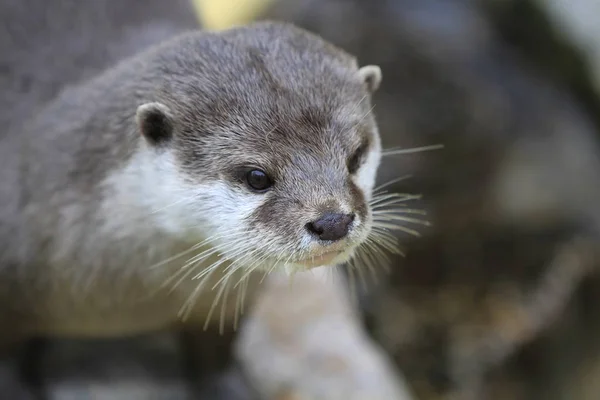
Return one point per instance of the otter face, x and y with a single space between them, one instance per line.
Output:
277 166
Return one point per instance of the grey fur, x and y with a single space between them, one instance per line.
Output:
267 94
46 46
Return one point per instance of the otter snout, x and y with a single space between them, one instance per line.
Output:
331 226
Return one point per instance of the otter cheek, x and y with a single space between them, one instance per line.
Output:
226 209
358 201
277 220
367 173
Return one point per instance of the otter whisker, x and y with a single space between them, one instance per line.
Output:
257 263
382 233
186 270
404 229
374 249
225 286
278 260
194 267
225 283
250 269
379 188
386 195
224 307
268 272
361 278
332 272
393 198
212 239
383 253
187 307
205 275
233 266
244 248
396 201
196 196
400 209
358 104
371 253
214 304
388 216
397 151
192 248
367 260
176 256
352 282
243 281
244 290
200 257
184 276
395 207
387 242
393 248
238 305
366 114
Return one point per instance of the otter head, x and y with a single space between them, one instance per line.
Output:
271 144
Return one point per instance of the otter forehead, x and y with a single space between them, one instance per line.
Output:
278 134
265 78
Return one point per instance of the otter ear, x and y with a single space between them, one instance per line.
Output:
371 76
155 123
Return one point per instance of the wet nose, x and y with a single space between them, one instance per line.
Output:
331 226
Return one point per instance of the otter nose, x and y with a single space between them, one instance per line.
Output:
331 226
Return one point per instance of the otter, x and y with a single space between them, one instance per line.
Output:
162 189
219 153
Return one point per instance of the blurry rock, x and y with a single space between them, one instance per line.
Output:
137 368
12 386
156 366
555 37
577 21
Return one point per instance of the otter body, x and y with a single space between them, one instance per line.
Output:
110 190
46 47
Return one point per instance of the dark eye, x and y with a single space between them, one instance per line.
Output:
258 180
356 160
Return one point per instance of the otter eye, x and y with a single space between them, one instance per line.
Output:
355 161
258 180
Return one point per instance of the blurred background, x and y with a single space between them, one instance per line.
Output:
499 299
